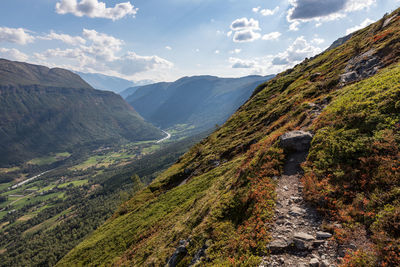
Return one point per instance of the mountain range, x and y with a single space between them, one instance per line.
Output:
46 110
109 83
199 102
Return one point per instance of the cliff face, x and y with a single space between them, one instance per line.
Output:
216 205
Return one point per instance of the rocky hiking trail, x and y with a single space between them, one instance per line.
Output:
297 239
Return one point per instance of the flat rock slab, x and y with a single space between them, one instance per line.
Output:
278 245
303 236
323 235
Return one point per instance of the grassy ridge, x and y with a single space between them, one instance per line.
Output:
229 173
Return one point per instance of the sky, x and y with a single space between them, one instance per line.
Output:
163 40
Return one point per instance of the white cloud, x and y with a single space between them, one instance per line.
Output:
13 54
217 52
131 63
244 30
168 47
238 63
246 36
235 51
298 51
245 24
355 5
317 41
15 35
294 26
363 24
271 36
101 53
269 64
68 39
95 9
266 11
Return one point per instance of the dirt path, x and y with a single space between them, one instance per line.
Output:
297 239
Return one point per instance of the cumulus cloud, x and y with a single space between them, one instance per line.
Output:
95 9
102 53
15 35
65 38
299 50
238 63
131 63
168 47
13 54
266 11
363 24
244 30
246 36
320 11
245 24
271 36
317 41
295 53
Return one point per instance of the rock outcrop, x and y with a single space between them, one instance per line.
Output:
179 253
296 141
361 67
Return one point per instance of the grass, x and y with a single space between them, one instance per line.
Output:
99 161
150 149
74 183
49 159
26 217
7 170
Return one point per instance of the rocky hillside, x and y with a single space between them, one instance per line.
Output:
223 201
46 110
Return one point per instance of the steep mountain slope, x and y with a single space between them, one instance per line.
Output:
216 205
46 110
105 82
200 101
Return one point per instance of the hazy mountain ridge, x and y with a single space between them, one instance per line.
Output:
46 110
218 200
105 82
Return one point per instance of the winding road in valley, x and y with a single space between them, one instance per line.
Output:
165 138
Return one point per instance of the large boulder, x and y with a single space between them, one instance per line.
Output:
296 141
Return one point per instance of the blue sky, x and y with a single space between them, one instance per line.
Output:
163 40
